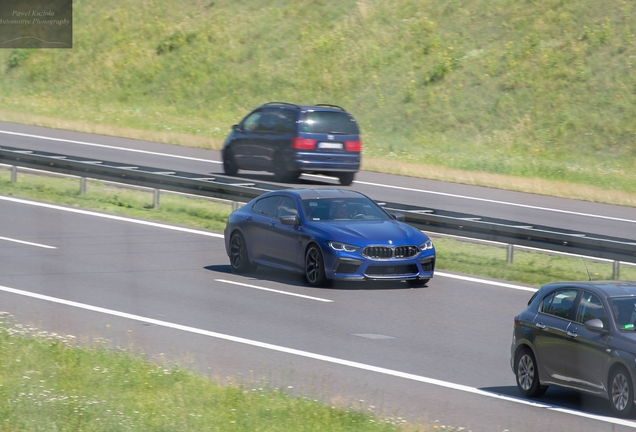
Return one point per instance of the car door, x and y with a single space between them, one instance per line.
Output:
257 234
552 323
276 131
245 138
284 240
588 350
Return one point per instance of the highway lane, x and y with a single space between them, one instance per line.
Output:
456 331
585 216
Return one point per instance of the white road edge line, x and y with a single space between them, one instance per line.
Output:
27 243
273 290
486 282
314 356
498 202
107 146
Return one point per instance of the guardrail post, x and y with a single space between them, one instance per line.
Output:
156 200
616 273
511 249
14 173
235 205
82 185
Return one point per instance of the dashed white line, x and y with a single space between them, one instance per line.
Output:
273 290
319 357
27 243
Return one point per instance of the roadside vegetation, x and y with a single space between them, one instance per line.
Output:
535 96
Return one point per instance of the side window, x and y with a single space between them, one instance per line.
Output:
267 122
287 207
590 307
559 303
251 122
267 206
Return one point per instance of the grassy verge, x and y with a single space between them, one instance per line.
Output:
49 383
528 267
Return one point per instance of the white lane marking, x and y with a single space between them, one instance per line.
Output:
108 146
27 243
498 202
112 217
314 356
485 282
273 290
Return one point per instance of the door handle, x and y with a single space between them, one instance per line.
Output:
572 334
539 325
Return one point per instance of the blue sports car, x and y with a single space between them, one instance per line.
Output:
327 234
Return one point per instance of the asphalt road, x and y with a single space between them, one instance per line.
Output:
435 353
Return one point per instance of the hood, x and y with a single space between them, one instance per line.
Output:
372 232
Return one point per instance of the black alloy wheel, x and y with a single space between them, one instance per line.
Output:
229 163
527 374
315 267
621 395
238 254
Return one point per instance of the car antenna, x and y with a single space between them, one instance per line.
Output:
589 276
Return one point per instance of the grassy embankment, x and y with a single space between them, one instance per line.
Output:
535 96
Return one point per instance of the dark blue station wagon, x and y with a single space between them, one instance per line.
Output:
288 139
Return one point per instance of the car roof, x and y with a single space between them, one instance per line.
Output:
609 288
316 107
325 193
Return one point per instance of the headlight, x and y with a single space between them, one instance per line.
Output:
342 247
426 245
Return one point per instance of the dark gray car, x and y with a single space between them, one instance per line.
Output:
578 335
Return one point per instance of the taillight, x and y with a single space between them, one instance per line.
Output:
353 145
516 320
303 143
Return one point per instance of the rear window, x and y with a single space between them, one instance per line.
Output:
328 122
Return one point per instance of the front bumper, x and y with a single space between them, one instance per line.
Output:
360 268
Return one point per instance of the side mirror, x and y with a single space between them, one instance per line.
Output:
594 325
398 216
236 128
290 220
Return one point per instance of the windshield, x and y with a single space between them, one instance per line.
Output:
624 311
342 209
328 122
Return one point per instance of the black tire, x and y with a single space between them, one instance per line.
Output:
346 178
238 254
315 267
415 283
229 163
527 374
281 173
621 391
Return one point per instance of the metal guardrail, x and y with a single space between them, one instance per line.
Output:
427 219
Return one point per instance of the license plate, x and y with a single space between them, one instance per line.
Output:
330 145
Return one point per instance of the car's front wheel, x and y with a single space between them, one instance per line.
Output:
238 254
527 374
315 267
229 163
621 391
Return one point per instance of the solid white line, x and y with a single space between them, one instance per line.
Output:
107 146
485 281
27 243
314 356
498 202
273 290
112 217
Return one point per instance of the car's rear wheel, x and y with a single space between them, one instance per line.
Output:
346 178
315 267
527 374
229 163
281 173
621 391
238 254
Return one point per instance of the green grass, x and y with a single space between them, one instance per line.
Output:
50 382
527 89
